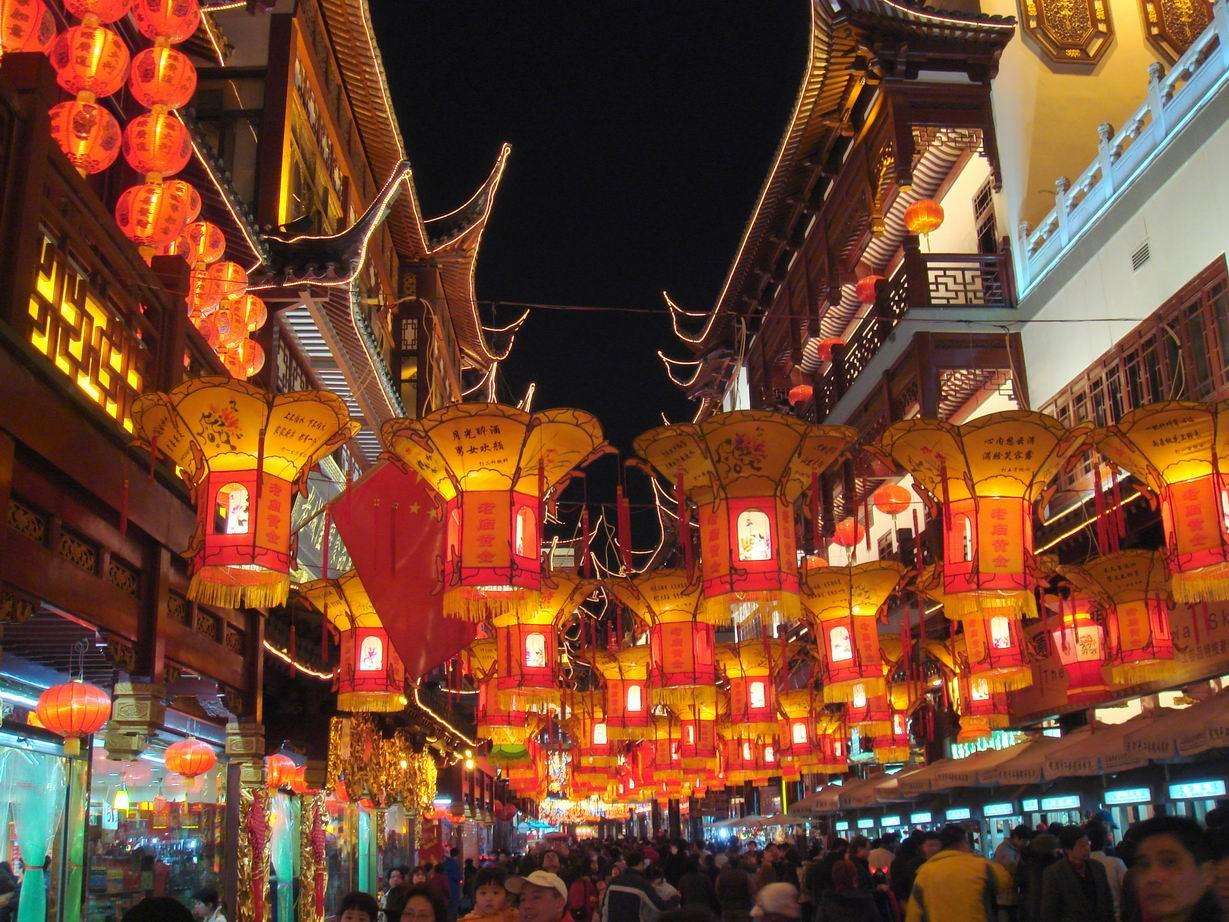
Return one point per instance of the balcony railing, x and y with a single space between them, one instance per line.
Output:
921 281
1173 99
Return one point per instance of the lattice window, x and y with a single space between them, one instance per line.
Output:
27 521
177 609
78 551
85 334
123 577
208 626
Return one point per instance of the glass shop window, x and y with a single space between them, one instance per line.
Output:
230 511
840 644
526 533
756 695
635 698
371 654
754 535
535 651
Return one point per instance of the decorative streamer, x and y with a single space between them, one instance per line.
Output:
623 516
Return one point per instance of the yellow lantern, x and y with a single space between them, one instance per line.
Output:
744 470
1133 589
626 675
1180 451
752 668
752 759
586 722
981 708
807 738
370 676
987 476
244 453
844 605
895 745
499 724
698 712
491 467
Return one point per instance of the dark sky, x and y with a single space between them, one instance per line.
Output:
641 132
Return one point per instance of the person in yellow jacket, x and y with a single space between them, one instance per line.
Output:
956 885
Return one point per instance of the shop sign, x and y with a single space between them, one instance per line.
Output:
842 826
1197 789
958 813
888 822
1063 802
866 824
998 809
998 739
1029 805
923 817
1128 796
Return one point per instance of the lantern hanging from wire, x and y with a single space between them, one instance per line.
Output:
162 76
698 714
1076 636
168 21
625 673
87 133
923 216
243 453
750 759
1132 588
895 744
752 669
867 288
986 476
190 757
90 61
153 214
243 359
744 470
981 708
844 605
503 727
849 533
592 747
1179 450
25 25
370 674
492 466
799 745
73 710
157 144
869 712
892 499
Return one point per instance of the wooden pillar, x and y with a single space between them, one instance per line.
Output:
151 628
172 271
274 144
927 376
1019 373
674 821
254 666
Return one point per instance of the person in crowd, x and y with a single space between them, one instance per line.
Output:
398 879
846 901
735 893
358 907
454 872
418 877
883 851
696 887
10 888
206 906
439 884
630 895
543 897
766 873
1008 854
491 902
928 845
819 878
1075 888
1219 837
583 890
1172 871
665 890
956 885
687 914
167 909
423 905
1115 867
1040 853
777 902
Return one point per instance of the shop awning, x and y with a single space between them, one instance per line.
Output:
1178 733
920 782
809 805
858 794
1101 750
1027 767
963 773
888 790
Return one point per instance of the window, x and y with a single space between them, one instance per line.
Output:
599 734
231 510
746 751
840 644
983 218
371 654
964 528
1000 632
535 651
526 537
859 695
634 695
756 694
754 535
798 733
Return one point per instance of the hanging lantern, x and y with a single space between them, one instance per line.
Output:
243 359
73 710
278 770
173 21
1079 641
245 312
751 760
799 735
892 499
867 288
849 533
157 144
1132 587
981 708
744 470
105 11
987 475
895 744
87 133
231 321
503 727
25 25
201 243
153 214
1178 450
162 76
833 746
190 757
626 674
844 604
752 668
243 453
698 715
210 285
587 726
801 394
91 60
665 746
370 674
826 347
867 711
924 216
492 466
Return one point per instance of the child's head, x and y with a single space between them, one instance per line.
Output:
490 895
358 907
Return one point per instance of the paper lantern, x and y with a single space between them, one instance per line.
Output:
106 11
1132 587
698 714
162 76
228 324
87 133
843 604
370 674
175 21
190 757
798 738
278 770
752 668
89 59
201 243
895 744
500 725
210 285
923 216
586 723
1079 642
826 347
800 394
25 25
246 312
73 710
849 533
986 475
157 144
833 747
744 470
868 711
243 453
243 359
892 499
491 466
626 675
750 760
867 288
153 214
1179 450
528 645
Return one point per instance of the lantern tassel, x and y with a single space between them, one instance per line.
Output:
324 545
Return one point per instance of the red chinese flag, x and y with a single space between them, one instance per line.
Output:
394 532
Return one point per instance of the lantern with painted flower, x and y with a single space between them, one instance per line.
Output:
752 668
844 604
243 453
370 675
492 467
987 476
744 470
1132 588
1179 450
625 673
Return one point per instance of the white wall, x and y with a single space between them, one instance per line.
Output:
958 233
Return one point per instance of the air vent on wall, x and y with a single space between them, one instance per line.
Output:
1140 256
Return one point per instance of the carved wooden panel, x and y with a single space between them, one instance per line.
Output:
1068 31
1171 25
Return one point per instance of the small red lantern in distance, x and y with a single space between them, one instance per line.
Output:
73 710
826 346
923 216
892 499
190 758
866 288
800 394
278 770
849 532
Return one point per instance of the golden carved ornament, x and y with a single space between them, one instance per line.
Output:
1068 31
1171 25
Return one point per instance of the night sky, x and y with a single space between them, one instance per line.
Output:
641 133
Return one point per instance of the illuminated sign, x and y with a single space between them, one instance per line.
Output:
842 826
1191 789
997 809
866 824
1029 805
1128 796
1063 802
889 821
958 813
920 818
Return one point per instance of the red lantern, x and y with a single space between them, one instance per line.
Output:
923 216
73 710
996 651
752 668
190 757
107 11
210 285
248 312
175 21
87 133
278 770
162 76
892 499
244 359
232 320
157 144
982 709
1079 642
89 59
825 347
800 394
867 288
25 25
627 696
870 713
153 214
201 243
849 533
